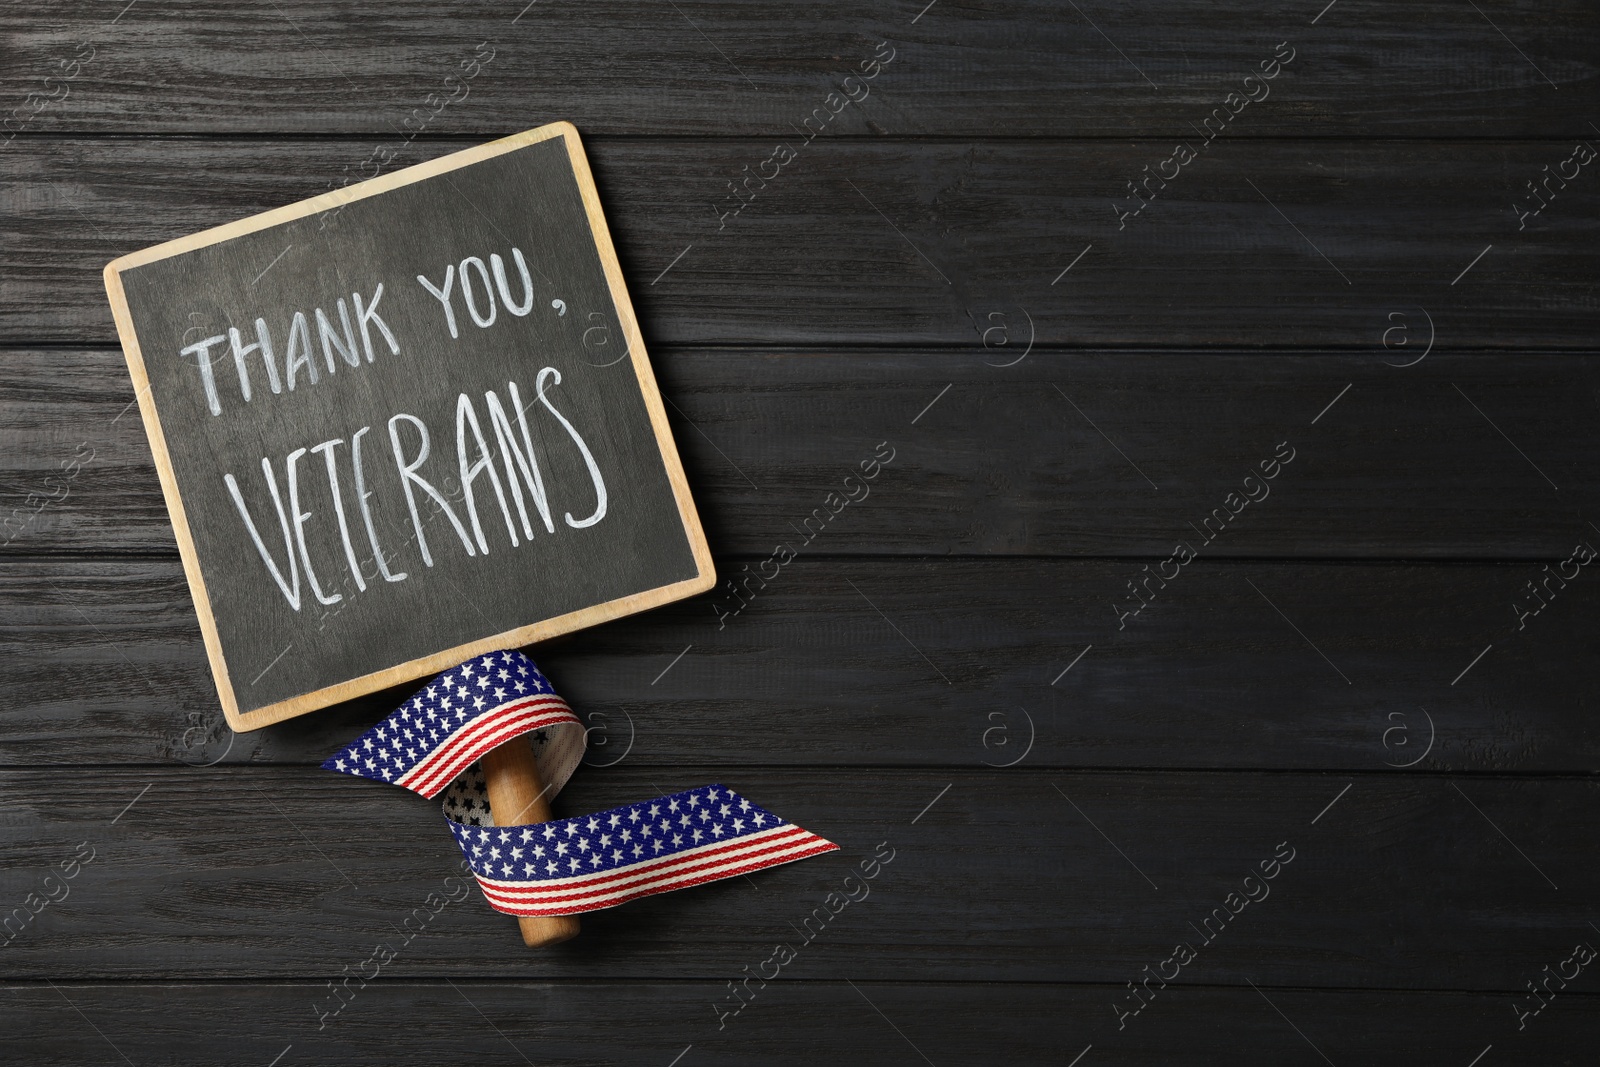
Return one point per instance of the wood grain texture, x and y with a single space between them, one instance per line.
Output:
293 873
931 239
1276 692
1010 462
872 1022
911 663
979 68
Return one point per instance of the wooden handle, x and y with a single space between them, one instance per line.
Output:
516 797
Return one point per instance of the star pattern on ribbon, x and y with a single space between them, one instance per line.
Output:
432 743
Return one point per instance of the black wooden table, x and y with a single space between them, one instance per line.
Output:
1213 657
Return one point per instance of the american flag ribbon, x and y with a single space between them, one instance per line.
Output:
431 746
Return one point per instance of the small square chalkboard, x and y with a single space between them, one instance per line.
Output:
405 423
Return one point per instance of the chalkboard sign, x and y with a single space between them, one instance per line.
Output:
405 423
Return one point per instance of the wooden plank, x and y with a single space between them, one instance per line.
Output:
952 663
874 1022
960 68
1264 243
292 871
1409 464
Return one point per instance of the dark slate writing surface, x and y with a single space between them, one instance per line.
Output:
528 200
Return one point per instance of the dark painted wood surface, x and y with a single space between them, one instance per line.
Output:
1368 625
859 243
971 69
510 1024
295 871
961 668
1409 464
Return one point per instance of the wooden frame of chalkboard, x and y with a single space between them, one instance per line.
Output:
251 718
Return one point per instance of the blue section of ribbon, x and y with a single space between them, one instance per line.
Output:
452 720
610 840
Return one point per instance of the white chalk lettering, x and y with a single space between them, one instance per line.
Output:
362 495
291 593
410 477
264 346
299 353
588 458
326 448
300 518
368 317
483 464
443 296
331 342
202 357
504 288
483 321
527 460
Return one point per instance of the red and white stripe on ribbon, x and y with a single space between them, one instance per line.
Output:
565 866
784 843
483 734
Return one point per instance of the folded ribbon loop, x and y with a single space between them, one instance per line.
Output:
431 745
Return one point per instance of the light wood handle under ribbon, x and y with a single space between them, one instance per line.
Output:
517 797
